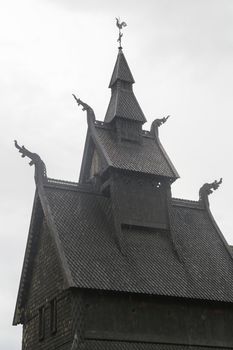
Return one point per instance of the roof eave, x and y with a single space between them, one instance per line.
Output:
219 232
173 169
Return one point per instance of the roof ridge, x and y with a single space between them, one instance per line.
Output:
60 181
72 186
187 203
184 200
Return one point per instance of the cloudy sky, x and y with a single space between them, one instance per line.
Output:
181 55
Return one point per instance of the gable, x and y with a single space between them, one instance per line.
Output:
96 164
93 162
41 223
46 286
46 279
35 226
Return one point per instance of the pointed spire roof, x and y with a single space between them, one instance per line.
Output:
123 103
121 70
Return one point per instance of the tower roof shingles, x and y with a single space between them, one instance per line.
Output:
121 70
146 157
123 102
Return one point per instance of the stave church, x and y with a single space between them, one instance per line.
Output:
113 261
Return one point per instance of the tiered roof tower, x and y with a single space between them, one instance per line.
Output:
114 261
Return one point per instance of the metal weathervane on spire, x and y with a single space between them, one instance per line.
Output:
120 26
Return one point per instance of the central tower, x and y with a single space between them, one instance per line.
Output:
127 163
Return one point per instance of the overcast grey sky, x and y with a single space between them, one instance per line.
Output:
181 55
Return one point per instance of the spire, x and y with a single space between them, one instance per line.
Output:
123 103
121 70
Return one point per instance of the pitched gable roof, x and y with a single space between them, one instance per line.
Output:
190 260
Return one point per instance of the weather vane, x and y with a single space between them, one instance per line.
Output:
120 26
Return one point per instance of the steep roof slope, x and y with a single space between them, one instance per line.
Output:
147 157
189 261
123 103
121 70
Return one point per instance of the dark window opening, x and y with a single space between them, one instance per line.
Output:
41 322
53 316
154 228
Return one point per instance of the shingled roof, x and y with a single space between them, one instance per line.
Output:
147 157
190 260
121 70
123 103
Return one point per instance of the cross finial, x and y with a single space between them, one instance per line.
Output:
120 26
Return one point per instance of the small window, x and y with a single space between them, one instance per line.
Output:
53 316
41 322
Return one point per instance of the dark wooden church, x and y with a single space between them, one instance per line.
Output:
113 262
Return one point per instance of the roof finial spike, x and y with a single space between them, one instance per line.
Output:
120 26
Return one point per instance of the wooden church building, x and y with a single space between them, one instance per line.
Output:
114 262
